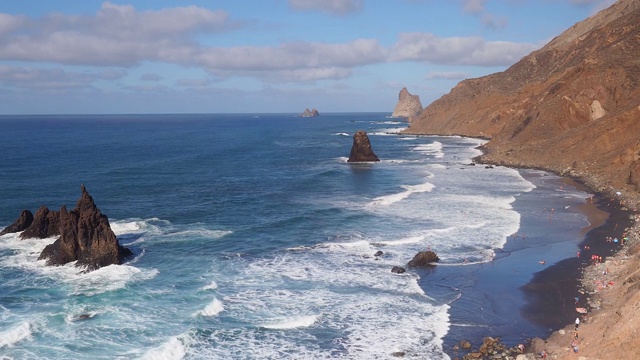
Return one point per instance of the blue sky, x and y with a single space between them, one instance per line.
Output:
257 56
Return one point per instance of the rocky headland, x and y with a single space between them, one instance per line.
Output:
361 150
309 113
572 108
408 106
85 234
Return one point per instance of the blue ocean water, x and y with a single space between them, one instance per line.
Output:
254 238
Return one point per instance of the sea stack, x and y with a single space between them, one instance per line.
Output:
85 236
307 113
361 150
22 222
46 223
408 105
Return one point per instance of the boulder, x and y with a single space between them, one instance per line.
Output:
408 105
423 258
378 253
361 149
46 223
22 222
307 113
398 270
85 236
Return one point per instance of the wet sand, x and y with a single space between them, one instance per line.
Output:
513 298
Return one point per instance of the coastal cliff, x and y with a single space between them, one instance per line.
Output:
408 105
570 107
573 108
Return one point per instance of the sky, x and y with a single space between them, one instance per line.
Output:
260 56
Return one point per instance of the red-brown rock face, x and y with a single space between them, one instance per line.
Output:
361 149
85 236
46 223
22 222
572 107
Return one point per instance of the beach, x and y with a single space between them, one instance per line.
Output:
546 302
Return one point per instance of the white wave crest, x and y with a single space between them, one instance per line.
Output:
409 189
292 323
137 226
104 279
211 286
173 349
214 308
341 134
435 149
15 334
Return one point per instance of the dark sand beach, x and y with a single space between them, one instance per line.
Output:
518 297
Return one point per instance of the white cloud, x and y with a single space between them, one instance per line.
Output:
475 7
427 47
193 82
478 8
447 75
121 36
9 23
55 78
290 56
333 7
117 35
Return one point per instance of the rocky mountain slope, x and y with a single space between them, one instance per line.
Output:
572 107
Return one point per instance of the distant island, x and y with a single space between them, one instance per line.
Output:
307 113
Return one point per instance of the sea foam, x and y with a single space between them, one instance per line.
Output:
214 308
16 334
292 323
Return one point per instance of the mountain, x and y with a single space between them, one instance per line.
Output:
571 107
408 105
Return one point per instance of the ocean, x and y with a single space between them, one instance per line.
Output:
253 238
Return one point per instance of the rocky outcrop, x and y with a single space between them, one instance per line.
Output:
22 222
46 223
361 150
85 237
307 113
571 107
408 105
423 258
398 270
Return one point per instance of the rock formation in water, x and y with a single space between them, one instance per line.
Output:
361 149
22 222
85 236
423 258
312 113
46 223
571 107
408 105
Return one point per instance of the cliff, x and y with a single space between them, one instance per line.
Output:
408 105
571 107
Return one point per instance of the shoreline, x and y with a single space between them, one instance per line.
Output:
493 300
553 291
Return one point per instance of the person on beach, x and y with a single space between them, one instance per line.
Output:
574 346
577 323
